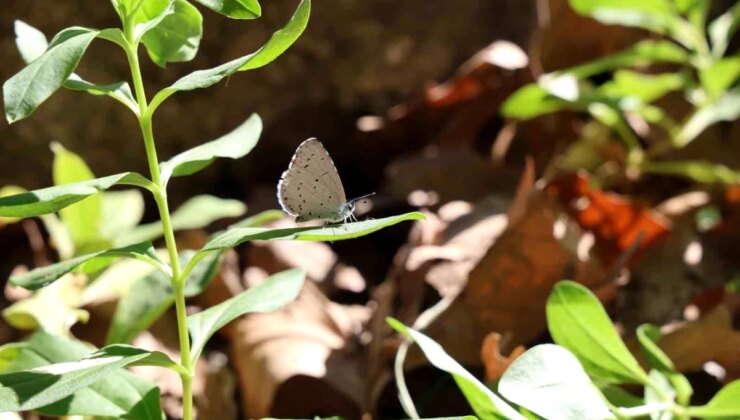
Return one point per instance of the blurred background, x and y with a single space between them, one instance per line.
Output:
407 96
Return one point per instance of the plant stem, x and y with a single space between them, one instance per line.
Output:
160 196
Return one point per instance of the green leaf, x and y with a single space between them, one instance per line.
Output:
177 37
648 335
578 322
259 219
234 145
121 212
54 309
549 381
43 276
30 87
53 199
641 54
35 388
722 29
83 219
724 405
196 213
6 191
532 101
275 46
725 108
149 14
32 43
720 75
697 171
654 15
120 394
274 293
152 295
639 88
484 402
331 233
235 9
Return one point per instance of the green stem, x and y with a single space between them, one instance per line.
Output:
160 196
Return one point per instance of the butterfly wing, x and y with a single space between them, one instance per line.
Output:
311 188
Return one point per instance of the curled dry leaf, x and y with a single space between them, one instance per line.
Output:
615 221
312 343
494 363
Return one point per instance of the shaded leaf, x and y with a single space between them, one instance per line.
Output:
725 108
235 9
578 322
121 211
549 381
198 212
648 336
275 292
259 219
30 87
152 295
484 402
43 276
234 145
176 37
120 394
53 199
275 46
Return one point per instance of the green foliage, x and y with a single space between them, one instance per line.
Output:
120 394
702 73
277 291
575 379
93 228
578 322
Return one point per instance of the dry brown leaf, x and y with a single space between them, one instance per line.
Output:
494 362
312 342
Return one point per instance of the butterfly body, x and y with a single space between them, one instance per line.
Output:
311 189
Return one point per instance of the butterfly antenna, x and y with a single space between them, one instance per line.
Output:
354 200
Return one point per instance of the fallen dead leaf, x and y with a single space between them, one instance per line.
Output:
494 362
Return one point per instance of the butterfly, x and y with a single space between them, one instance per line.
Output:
311 188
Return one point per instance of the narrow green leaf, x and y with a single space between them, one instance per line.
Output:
233 145
641 54
722 29
277 291
630 86
32 43
120 394
278 43
30 87
41 386
53 199
725 108
331 233
720 75
532 101
648 336
196 213
235 9
724 405
82 219
152 295
695 170
177 37
654 15
548 380
485 403
43 276
259 219
578 322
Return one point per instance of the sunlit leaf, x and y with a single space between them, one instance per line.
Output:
724 405
725 108
549 381
176 37
235 9
578 322
233 145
